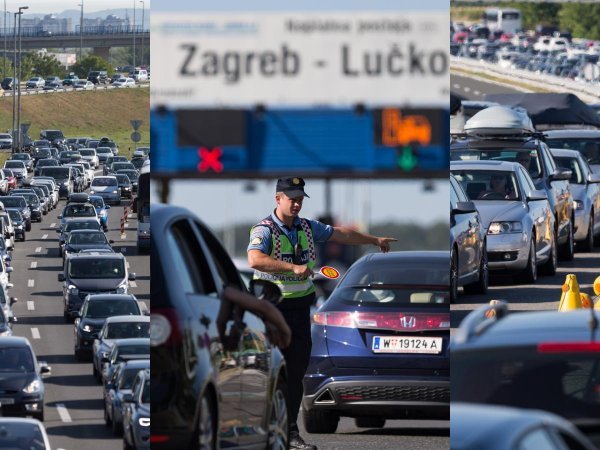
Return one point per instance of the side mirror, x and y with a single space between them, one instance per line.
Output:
13 300
9 285
131 276
464 208
561 174
110 241
594 178
61 277
11 319
9 269
60 216
537 195
107 207
44 367
266 290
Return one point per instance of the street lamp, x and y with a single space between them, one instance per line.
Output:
134 35
14 85
81 33
4 33
19 88
143 9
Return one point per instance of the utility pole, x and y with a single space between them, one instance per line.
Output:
81 33
14 86
4 33
20 75
134 35
143 9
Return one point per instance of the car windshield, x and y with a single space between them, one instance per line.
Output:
48 163
14 164
127 377
104 182
83 225
13 202
101 309
131 174
527 158
137 349
16 359
87 238
123 179
78 210
20 156
488 184
146 392
97 268
97 202
573 165
21 435
122 330
566 384
104 150
588 147
87 152
15 216
59 173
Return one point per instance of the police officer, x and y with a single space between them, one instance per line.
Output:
282 250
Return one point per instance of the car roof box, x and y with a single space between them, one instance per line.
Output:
500 121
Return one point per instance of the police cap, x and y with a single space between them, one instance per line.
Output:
292 187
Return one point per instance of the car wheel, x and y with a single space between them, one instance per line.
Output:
549 267
453 276
530 272
78 355
278 420
117 427
568 249
39 416
66 317
324 422
588 243
126 445
107 420
206 432
481 286
28 226
370 422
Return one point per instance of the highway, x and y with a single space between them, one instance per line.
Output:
471 89
73 402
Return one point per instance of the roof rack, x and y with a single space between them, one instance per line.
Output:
479 320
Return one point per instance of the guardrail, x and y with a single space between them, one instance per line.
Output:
41 91
87 31
546 81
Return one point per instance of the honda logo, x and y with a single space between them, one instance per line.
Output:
408 321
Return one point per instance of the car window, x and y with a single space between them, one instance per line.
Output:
526 181
571 164
537 439
453 195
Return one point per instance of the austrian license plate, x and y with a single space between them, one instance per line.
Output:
404 344
7 401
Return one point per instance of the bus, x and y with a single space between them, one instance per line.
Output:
143 208
507 20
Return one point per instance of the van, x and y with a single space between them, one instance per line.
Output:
139 75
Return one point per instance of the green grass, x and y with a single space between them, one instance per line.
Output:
83 114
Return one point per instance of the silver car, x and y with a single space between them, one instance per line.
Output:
586 196
89 155
517 217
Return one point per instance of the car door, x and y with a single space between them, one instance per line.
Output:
540 213
252 350
559 195
465 229
593 190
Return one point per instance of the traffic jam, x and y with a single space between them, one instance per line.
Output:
525 245
74 289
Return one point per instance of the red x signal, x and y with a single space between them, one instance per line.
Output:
209 159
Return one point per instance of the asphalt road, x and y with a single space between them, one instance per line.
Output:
73 402
471 89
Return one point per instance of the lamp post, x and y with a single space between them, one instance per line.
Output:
4 33
19 88
81 33
14 85
143 9
134 35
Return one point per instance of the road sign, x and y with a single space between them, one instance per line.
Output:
135 136
135 123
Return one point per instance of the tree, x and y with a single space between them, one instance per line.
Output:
43 65
581 20
90 63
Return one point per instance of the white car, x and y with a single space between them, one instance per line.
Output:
83 84
124 82
6 140
35 82
90 155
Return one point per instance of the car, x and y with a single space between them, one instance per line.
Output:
55 137
19 433
141 152
6 303
63 177
92 273
120 165
124 82
468 245
74 224
136 413
49 188
101 210
86 240
8 83
499 358
45 162
79 181
88 170
53 79
585 186
106 170
98 77
179 306
133 176
5 323
70 80
585 141
474 427
83 84
125 185
506 134
10 178
121 351
518 219
38 153
116 388
106 187
94 312
33 203
107 142
138 162
18 167
103 154
21 382
37 190
389 314
53 86
5 183
89 154
25 157
19 223
34 83
139 75
68 156
19 204
6 141
77 211
117 77
117 327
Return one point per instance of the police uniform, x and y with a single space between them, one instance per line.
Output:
297 246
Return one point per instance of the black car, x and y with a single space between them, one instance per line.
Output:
19 204
190 270
86 240
33 202
8 82
98 76
75 224
133 176
94 312
136 413
124 350
21 382
63 177
19 223
38 153
55 137
125 185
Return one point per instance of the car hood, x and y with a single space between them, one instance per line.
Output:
96 324
97 284
104 188
15 381
79 247
500 210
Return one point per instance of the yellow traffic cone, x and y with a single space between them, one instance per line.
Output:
597 286
570 298
585 299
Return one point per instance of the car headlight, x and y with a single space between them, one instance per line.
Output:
144 421
66 183
87 328
19 227
115 192
505 227
577 204
7 332
33 387
73 289
92 192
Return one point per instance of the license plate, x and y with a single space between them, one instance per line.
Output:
405 344
7 401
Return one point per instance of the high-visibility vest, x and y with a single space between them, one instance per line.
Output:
291 285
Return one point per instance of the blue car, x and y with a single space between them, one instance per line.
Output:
380 343
101 209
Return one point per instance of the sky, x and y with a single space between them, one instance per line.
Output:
58 6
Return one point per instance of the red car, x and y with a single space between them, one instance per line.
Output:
10 177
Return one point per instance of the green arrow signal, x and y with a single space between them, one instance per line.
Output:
406 160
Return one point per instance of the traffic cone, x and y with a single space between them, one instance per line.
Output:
570 298
586 300
597 286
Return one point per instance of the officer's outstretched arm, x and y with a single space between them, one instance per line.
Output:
345 235
260 261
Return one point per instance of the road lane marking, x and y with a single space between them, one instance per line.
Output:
466 89
35 333
30 305
38 249
476 92
30 283
52 225
63 412
34 264
127 264
456 86
45 236
133 284
123 236
126 225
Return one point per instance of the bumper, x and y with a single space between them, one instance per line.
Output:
84 343
36 215
126 194
392 397
72 304
582 224
115 199
22 405
508 251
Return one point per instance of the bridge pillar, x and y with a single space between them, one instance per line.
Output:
102 52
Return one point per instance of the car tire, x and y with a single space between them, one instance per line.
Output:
370 422
117 427
323 422
453 276
78 355
66 317
126 445
550 266
279 436
28 226
481 285
588 243
205 436
568 249
39 416
530 272
107 420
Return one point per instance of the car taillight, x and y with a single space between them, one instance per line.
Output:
164 327
568 347
158 438
384 320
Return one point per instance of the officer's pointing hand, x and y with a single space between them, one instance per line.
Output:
384 243
303 271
